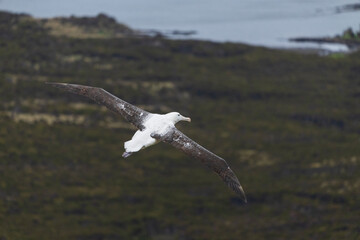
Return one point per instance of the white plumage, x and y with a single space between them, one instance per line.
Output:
154 124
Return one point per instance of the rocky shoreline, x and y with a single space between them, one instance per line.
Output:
349 37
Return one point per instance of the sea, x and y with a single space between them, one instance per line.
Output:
269 23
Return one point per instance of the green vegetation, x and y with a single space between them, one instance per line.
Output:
350 34
287 123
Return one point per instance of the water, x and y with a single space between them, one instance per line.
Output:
258 22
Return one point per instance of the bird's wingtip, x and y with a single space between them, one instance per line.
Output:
55 83
243 198
242 194
74 88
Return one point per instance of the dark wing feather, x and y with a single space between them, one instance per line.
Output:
179 140
130 112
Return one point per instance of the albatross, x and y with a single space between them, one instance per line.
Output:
153 128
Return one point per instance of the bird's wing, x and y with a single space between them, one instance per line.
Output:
179 140
130 112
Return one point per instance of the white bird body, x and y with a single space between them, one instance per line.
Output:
157 124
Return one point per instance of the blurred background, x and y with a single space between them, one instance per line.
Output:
271 86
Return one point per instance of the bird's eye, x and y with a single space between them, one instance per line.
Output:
179 114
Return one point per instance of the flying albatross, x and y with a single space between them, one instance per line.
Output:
153 128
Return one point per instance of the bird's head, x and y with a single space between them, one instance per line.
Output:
177 117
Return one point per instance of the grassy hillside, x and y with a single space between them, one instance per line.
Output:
288 125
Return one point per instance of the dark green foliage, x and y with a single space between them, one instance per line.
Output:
349 34
288 124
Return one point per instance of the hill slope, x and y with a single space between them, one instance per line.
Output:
288 125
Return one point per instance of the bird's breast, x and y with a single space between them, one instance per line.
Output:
157 124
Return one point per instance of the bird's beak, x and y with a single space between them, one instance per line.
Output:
187 119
